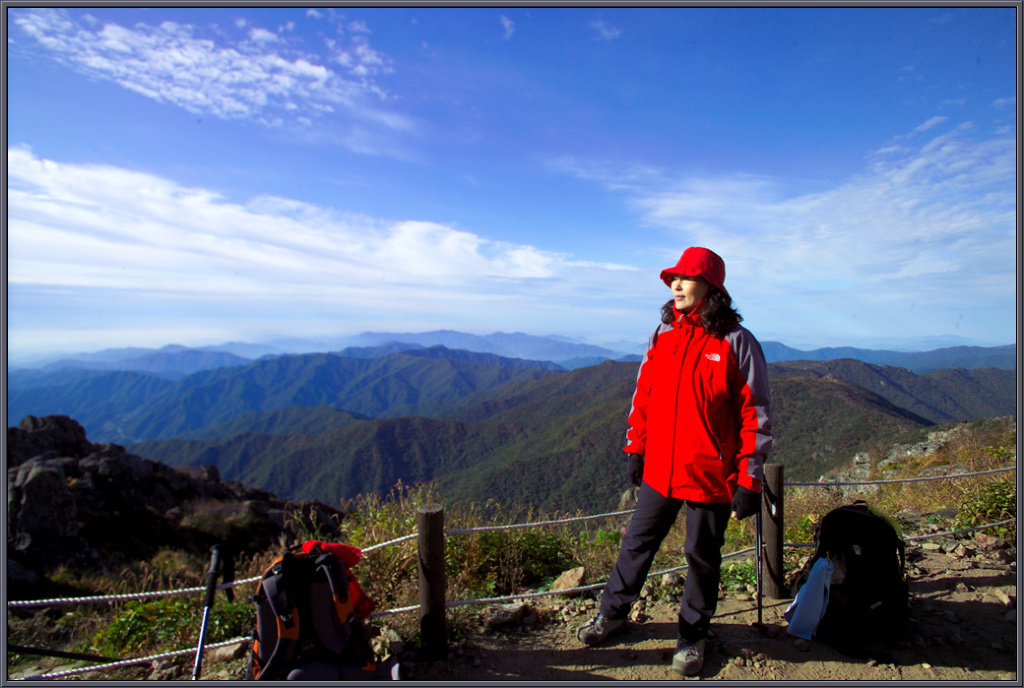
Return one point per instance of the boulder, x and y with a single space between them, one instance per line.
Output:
570 579
505 614
990 543
42 519
35 436
227 653
72 502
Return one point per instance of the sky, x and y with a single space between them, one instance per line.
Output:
204 175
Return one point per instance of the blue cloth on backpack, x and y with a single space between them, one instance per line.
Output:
811 600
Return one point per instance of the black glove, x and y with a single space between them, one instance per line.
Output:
635 468
745 502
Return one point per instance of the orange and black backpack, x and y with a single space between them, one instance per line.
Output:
310 619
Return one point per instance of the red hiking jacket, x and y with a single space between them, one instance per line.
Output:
701 413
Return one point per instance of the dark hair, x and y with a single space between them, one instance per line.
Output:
717 315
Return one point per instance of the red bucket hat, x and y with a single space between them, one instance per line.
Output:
698 261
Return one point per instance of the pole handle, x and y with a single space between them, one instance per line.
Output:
211 576
211 592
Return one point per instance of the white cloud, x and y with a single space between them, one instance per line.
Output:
605 31
258 35
134 237
934 121
933 224
259 78
508 26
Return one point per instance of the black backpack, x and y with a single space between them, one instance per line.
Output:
868 604
308 622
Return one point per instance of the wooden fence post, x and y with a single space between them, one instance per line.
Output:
774 532
433 629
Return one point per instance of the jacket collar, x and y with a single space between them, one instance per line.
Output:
690 319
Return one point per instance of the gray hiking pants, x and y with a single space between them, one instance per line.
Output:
651 522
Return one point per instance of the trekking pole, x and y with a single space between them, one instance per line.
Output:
757 562
211 591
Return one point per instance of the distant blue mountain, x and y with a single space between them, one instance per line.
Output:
967 357
127 406
175 361
172 361
514 345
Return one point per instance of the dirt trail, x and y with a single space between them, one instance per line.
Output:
963 628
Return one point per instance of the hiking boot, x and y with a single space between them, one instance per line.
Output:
689 657
598 629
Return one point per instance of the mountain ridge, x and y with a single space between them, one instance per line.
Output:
176 360
394 384
332 425
391 381
550 440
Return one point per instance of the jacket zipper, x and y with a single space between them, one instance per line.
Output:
702 410
675 426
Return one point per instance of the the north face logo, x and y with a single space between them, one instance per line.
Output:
713 357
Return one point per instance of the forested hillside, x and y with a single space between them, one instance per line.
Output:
553 442
332 426
392 385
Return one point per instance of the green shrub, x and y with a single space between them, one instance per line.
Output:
802 531
171 622
990 504
737 575
509 560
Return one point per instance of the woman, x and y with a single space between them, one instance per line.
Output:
699 433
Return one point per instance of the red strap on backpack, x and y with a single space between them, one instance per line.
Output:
346 554
363 606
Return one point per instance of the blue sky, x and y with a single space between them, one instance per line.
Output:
200 175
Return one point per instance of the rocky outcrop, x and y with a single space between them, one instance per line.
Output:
74 503
863 468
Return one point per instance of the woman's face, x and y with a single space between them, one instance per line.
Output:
688 291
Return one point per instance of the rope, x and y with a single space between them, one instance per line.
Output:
57 601
595 586
537 524
127 662
902 480
390 542
546 593
926 536
102 598
959 532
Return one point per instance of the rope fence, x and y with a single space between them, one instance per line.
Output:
774 509
126 662
514 526
950 476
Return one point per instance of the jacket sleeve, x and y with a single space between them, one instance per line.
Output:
636 433
754 408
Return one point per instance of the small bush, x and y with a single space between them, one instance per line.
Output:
992 503
513 559
171 622
737 575
802 530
